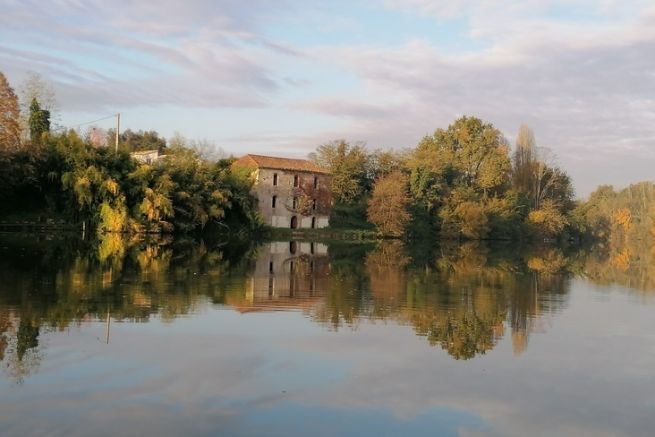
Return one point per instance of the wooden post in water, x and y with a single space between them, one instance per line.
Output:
107 329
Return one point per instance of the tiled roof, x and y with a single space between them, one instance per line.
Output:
270 162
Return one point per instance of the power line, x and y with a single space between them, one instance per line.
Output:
94 121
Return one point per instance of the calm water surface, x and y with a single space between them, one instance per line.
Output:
120 337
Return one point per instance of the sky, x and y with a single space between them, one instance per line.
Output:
282 77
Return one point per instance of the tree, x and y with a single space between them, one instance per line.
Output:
349 166
39 122
389 203
35 87
536 174
469 153
9 117
131 141
479 152
524 159
547 221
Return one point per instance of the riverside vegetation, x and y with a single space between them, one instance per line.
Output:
462 182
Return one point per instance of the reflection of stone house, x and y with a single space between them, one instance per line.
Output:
287 275
146 156
292 193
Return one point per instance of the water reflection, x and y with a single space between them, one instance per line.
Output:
285 275
461 298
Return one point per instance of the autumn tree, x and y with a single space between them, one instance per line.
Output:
536 174
389 203
547 221
468 154
9 117
478 151
349 165
524 159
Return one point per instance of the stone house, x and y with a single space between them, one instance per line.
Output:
292 193
147 156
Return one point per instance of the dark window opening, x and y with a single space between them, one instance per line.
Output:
274 201
313 222
274 178
315 182
270 267
295 202
296 181
314 204
292 247
294 222
311 248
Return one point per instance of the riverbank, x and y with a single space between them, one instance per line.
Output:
324 234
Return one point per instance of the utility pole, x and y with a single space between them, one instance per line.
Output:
118 129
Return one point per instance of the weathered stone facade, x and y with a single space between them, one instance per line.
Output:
292 193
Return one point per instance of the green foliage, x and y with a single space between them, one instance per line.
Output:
349 216
469 153
39 122
349 166
131 141
462 184
111 192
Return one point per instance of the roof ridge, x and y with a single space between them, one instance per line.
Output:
275 162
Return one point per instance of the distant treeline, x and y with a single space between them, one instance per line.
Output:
462 182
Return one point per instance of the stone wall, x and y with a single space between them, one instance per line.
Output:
311 192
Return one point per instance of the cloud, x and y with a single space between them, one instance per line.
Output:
99 54
584 89
579 72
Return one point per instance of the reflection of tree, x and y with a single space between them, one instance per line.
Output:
630 263
462 298
56 283
345 300
385 267
27 338
19 348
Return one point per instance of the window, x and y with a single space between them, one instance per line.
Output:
296 181
270 267
273 201
295 202
314 204
293 246
313 222
315 182
274 178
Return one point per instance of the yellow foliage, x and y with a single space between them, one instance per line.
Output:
623 217
111 186
622 260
